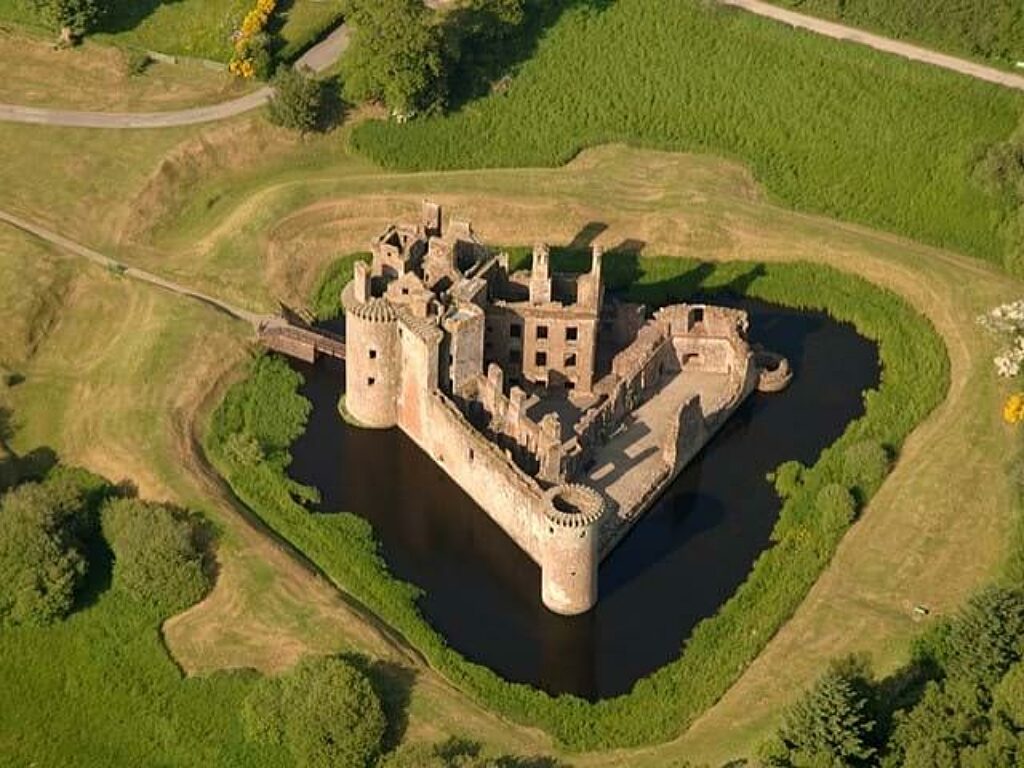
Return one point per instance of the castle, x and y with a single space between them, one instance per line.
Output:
561 411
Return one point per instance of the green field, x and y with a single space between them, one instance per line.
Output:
990 30
196 28
828 128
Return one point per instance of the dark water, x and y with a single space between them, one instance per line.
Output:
677 566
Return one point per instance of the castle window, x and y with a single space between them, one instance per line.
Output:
541 358
542 331
405 291
370 381
570 385
572 333
472 454
570 360
373 354
515 331
515 356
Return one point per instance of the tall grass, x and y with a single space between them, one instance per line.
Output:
915 379
828 127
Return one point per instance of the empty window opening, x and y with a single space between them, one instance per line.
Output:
541 358
572 333
405 291
570 385
542 331
373 354
698 315
371 381
570 360
472 454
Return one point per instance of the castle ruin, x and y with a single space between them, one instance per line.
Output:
560 410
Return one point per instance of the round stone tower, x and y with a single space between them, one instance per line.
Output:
372 363
569 548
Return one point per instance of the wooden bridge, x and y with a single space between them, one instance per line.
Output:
302 343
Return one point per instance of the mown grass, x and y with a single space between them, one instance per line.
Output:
660 706
195 28
830 128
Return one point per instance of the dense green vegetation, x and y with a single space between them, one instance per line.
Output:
984 29
77 682
898 154
158 554
326 300
959 703
46 529
325 711
914 382
298 101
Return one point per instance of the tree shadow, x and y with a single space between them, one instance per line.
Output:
123 15
393 685
486 45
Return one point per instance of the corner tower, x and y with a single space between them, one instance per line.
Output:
569 548
372 363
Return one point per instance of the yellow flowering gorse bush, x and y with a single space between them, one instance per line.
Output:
1013 410
253 25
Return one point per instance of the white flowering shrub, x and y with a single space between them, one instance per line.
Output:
1007 321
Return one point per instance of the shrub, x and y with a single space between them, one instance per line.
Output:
835 507
298 101
251 56
1008 696
324 711
326 299
157 559
865 466
43 527
136 63
787 478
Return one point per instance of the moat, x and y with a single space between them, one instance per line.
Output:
677 566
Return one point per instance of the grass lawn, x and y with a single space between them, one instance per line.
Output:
94 77
196 28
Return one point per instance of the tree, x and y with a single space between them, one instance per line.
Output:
831 726
865 465
396 55
325 712
949 718
156 556
987 638
42 565
297 102
72 18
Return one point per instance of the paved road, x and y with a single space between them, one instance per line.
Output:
854 35
318 58
256 320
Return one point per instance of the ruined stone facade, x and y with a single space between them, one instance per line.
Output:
561 412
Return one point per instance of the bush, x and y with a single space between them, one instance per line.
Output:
787 479
72 18
835 507
157 559
43 531
298 101
325 711
327 293
136 63
865 466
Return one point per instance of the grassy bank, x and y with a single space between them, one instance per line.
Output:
660 706
827 127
